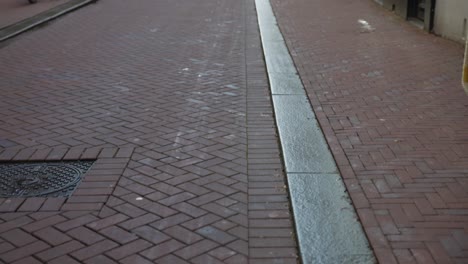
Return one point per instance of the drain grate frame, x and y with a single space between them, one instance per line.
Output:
41 179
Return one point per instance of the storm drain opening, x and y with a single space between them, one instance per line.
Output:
41 179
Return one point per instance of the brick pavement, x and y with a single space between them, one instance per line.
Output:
389 100
171 98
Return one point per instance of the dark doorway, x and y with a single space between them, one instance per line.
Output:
421 13
417 9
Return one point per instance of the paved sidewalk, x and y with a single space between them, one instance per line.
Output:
171 97
13 11
389 99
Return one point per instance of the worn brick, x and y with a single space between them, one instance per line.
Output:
18 237
135 259
118 235
108 221
76 222
162 249
196 249
128 249
85 235
59 250
182 234
52 236
24 251
150 234
94 250
139 221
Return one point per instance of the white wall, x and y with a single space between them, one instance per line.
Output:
450 17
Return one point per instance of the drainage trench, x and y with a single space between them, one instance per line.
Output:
326 222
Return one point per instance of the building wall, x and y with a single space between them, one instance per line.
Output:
399 6
451 19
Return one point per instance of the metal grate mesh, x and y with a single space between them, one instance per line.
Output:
41 179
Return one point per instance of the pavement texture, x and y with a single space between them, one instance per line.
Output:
389 100
13 11
171 98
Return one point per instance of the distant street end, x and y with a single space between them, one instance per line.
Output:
465 69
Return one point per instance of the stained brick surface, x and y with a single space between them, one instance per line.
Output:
389 100
171 99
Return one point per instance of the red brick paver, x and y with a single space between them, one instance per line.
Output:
390 103
171 98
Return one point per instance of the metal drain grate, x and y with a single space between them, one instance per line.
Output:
41 179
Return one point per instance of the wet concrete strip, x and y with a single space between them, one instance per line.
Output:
284 83
304 148
326 222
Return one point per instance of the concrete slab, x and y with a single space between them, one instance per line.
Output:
304 147
267 21
265 12
284 83
326 224
277 58
272 34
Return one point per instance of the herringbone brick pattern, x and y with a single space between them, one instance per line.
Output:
389 100
176 91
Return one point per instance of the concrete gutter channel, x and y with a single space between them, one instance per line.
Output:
326 222
29 23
